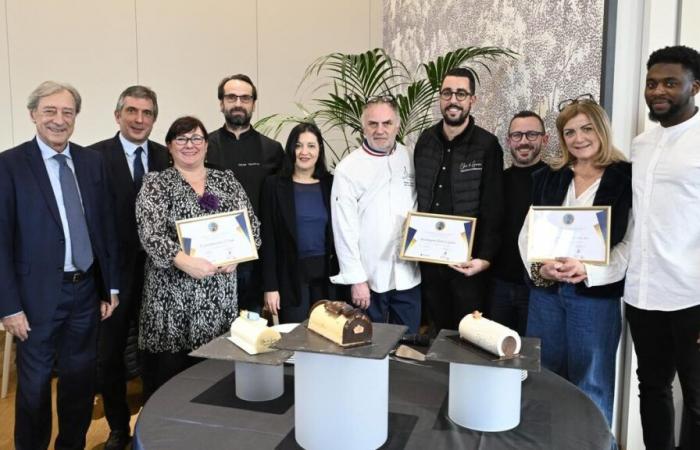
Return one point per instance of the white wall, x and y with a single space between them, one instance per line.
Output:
179 48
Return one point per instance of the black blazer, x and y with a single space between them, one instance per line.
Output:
123 194
615 190
32 245
279 239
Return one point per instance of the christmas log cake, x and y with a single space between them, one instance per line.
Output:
250 332
489 335
340 323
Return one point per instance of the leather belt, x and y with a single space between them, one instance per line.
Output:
76 276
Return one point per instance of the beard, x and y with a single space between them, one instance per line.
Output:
237 120
672 110
457 121
530 158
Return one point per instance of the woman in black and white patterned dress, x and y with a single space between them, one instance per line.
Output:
187 301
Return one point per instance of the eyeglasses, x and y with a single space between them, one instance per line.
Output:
231 98
382 99
585 98
183 140
461 95
517 136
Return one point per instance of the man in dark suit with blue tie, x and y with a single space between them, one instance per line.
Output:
128 156
58 268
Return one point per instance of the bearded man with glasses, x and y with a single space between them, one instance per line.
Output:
509 293
459 171
252 156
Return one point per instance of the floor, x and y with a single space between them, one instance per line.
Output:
99 430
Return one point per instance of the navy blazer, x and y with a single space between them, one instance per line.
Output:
32 245
615 190
123 194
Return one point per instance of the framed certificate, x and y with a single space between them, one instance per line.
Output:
581 233
221 239
437 238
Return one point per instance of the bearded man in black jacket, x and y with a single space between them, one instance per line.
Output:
459 171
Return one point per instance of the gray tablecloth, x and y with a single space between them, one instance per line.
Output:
198 410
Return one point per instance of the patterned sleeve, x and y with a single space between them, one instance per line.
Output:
152 220
240 198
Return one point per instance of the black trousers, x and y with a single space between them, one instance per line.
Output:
666 342
111 370
448 295
315 286
249 286
165 365
70 341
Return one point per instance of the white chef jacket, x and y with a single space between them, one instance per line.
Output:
370 200
664 268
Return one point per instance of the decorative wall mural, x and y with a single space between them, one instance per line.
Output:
559 41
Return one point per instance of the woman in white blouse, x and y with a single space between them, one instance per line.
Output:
575 307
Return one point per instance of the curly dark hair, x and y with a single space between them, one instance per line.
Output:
687 57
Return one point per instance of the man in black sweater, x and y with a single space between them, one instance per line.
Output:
252 157
510 294
459 170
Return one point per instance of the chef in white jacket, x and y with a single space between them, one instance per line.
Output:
373 191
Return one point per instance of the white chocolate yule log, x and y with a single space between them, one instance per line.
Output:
489 335
340 323
250 332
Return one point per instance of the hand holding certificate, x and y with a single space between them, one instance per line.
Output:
221 239
437 238
567 232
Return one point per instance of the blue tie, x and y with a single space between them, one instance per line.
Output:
138 169
79 236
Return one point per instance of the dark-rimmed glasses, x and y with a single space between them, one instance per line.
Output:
183 140
460 94
245 98
517 136
584 98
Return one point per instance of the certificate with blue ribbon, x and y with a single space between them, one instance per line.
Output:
574 232
437 238
221 239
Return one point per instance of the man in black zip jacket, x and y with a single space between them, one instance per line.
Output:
459 171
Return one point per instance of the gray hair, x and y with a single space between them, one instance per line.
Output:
381 100
49 88
138 91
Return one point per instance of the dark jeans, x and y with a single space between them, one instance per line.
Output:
579 339
449 296
666 342
509 303
398 307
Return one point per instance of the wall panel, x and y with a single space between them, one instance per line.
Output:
6 140
186 48
86 43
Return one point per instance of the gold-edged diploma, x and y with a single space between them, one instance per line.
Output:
221 239
576 232
437 238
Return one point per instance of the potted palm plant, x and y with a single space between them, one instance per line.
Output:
349 80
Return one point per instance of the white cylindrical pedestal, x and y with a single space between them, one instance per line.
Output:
340 402
259 382
484 398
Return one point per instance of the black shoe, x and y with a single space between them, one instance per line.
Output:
118 440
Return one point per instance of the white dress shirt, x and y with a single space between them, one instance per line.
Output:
130 153
370 200
664 269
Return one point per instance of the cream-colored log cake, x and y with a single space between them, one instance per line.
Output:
250 332
340 323
489 335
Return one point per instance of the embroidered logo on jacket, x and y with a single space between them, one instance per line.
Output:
470 166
